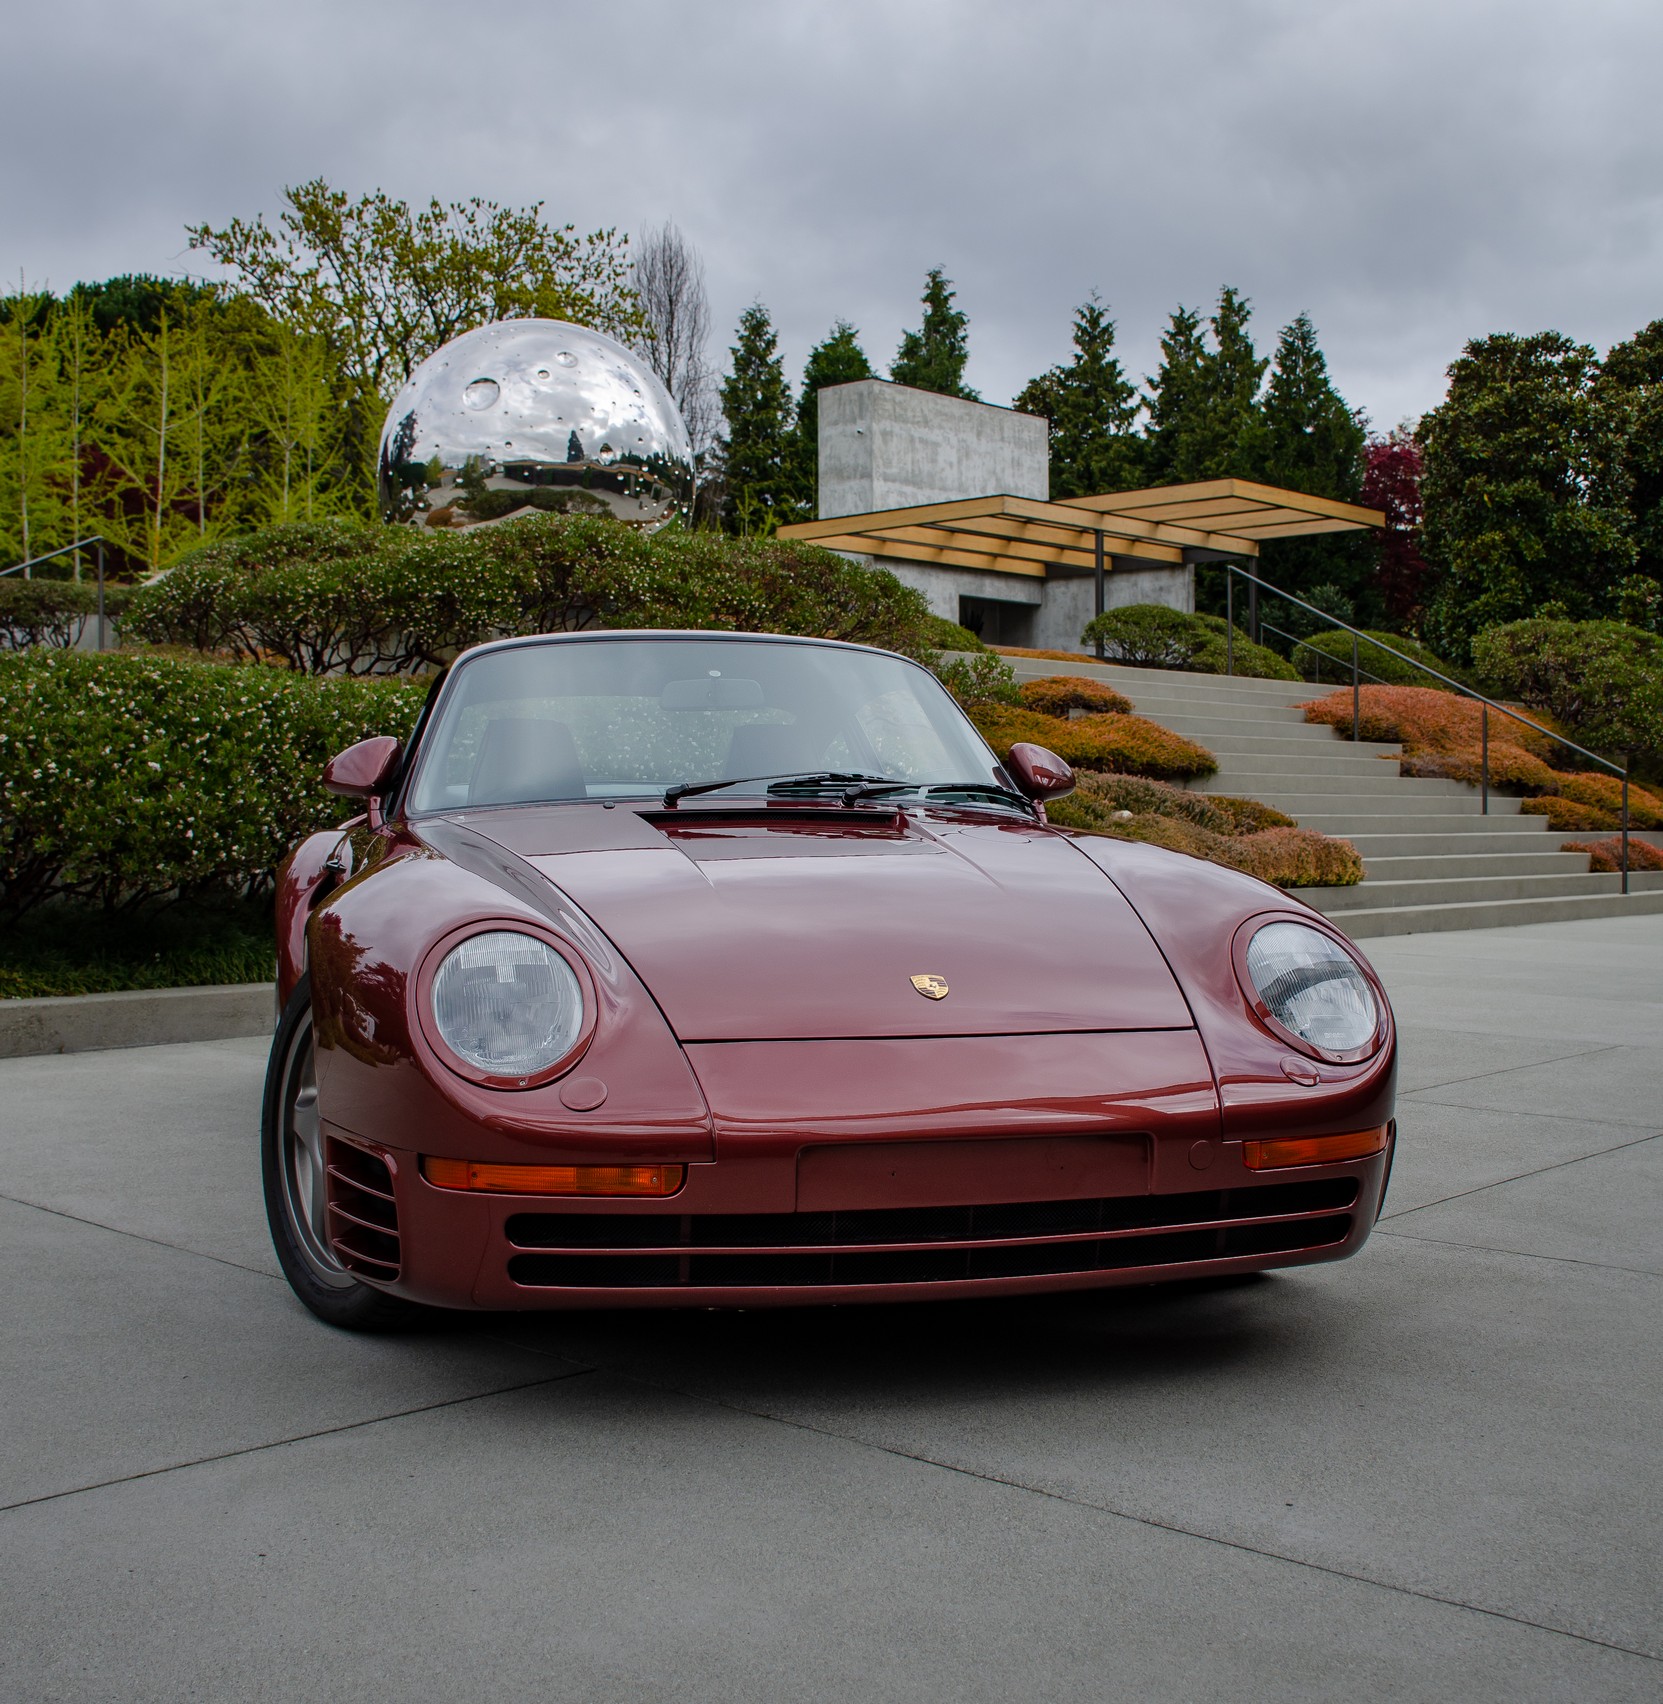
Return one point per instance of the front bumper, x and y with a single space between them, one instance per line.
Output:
702 1248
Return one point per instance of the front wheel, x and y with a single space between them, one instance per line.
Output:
293 1163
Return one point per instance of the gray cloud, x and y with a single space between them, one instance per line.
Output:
1412 175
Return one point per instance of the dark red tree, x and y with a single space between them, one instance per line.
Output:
1391 483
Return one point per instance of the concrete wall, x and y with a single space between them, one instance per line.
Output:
885 446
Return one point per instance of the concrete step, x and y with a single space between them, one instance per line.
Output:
1325 775
1317 807
1508 837
1432 858
1439 865
1171 681
1487 914
1298 746
1462 890
1371 826
1225 714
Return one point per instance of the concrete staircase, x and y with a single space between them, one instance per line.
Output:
1432 861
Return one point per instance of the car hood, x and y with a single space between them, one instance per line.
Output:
812 923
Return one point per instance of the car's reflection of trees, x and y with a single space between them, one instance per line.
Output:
357 999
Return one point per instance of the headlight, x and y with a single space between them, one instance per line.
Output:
1312 987
507 1004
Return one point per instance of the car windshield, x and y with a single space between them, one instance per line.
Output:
635 717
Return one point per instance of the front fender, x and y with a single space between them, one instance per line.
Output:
309 872
1194 910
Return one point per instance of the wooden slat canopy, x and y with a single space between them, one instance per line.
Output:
1021 535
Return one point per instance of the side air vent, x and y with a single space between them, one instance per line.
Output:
363 1213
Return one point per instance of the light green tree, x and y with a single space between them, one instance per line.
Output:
387 284
34 455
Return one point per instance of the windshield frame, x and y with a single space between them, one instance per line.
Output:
433 714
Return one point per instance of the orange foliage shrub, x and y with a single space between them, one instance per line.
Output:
1056 695
1240 833
1044 656
1607 855
1127 745
1442 734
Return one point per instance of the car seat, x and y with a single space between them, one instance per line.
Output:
523 761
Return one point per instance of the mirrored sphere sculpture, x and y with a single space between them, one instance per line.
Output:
533 415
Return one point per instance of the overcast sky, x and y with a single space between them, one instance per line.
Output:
1413 174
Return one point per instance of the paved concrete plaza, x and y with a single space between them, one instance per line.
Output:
1431 1472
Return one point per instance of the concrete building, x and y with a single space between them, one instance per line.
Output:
953 498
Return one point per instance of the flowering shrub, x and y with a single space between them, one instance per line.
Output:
128 778
49 612
340 598
1607 855
1056 695
1441 734
1127 744
1240 833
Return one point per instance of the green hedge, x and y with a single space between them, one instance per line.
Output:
1151 636
127 779
340 598
1327 657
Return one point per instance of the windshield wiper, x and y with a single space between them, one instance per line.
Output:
779 783
984 788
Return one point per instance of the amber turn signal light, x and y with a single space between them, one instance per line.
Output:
553 1180
1312 1150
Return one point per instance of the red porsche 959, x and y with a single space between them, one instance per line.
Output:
701 969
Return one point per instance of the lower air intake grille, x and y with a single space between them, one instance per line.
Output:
363 1212
924 1245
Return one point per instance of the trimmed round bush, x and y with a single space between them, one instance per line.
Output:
51 612
1327 657
945 635
1152 636
1601 680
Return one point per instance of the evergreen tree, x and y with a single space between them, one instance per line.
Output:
756 402
1092 407
1204 401
1524 488
837 359
933 357
1306 438
1631 397
1174 395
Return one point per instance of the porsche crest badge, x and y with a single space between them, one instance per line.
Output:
931 987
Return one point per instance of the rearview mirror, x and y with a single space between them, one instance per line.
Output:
712 692
1038 773
365 770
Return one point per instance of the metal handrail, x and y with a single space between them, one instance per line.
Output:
66 550
1489 704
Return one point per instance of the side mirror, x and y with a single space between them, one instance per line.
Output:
365 770
1039 773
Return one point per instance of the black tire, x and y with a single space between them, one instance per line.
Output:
290 1165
